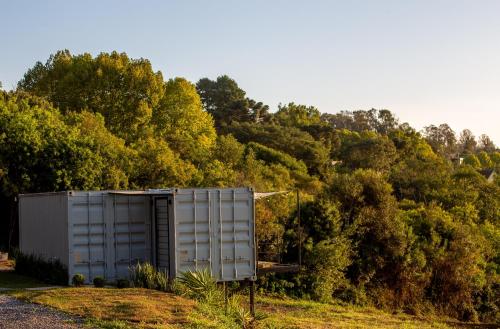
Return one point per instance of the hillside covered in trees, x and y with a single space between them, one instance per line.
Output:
390 216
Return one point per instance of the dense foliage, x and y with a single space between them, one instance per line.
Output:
146 276
48 271
390 216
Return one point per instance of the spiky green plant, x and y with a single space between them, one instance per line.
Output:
201 284
241 316
143 275
146 276
161 281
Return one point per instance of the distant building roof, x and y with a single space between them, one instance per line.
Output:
488 173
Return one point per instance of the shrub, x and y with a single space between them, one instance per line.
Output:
161 280
99 282
122 283
143 276
353 294
328 260
78 280
146 276
282 284
50 271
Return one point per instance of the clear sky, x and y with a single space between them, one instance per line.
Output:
427 61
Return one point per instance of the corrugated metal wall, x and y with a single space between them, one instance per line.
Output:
215 228
108 233
43 225
103 233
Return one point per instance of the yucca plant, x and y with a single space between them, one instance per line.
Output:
201 284
143 275
146 276
161 281
242 316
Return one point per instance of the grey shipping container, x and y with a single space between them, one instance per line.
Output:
103 233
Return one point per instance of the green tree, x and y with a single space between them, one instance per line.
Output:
293 141
180 120
486 144
467 142
442 139
224 99
468 186
495 157
295 115
328 261
39 152
321 220
229 151
420 174
270 155
381 121
123 90
453 260
158 166
369 217
484 160
118 159
365 150
473 161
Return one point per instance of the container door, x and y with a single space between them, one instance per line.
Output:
162 249
131 241
193 230
233 251
87 235
214 228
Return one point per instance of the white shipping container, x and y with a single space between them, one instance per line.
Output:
103 233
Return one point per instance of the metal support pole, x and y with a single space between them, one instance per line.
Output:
252 298
225 296
299 233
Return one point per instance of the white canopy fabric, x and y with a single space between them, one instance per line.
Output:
267 194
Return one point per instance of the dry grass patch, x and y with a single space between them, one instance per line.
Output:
290 313
7 265
147 308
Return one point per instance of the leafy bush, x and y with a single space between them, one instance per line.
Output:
146 276
49 271
78 280
122 283
328 261
280 284
99 282
353 295
271 155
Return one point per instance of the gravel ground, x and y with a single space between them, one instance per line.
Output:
15 314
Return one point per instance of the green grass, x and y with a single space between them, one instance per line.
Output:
11 280
111 308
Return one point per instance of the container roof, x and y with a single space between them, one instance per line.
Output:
145 192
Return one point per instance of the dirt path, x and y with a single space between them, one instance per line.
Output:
15 314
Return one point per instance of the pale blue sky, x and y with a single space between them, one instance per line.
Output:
427 61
